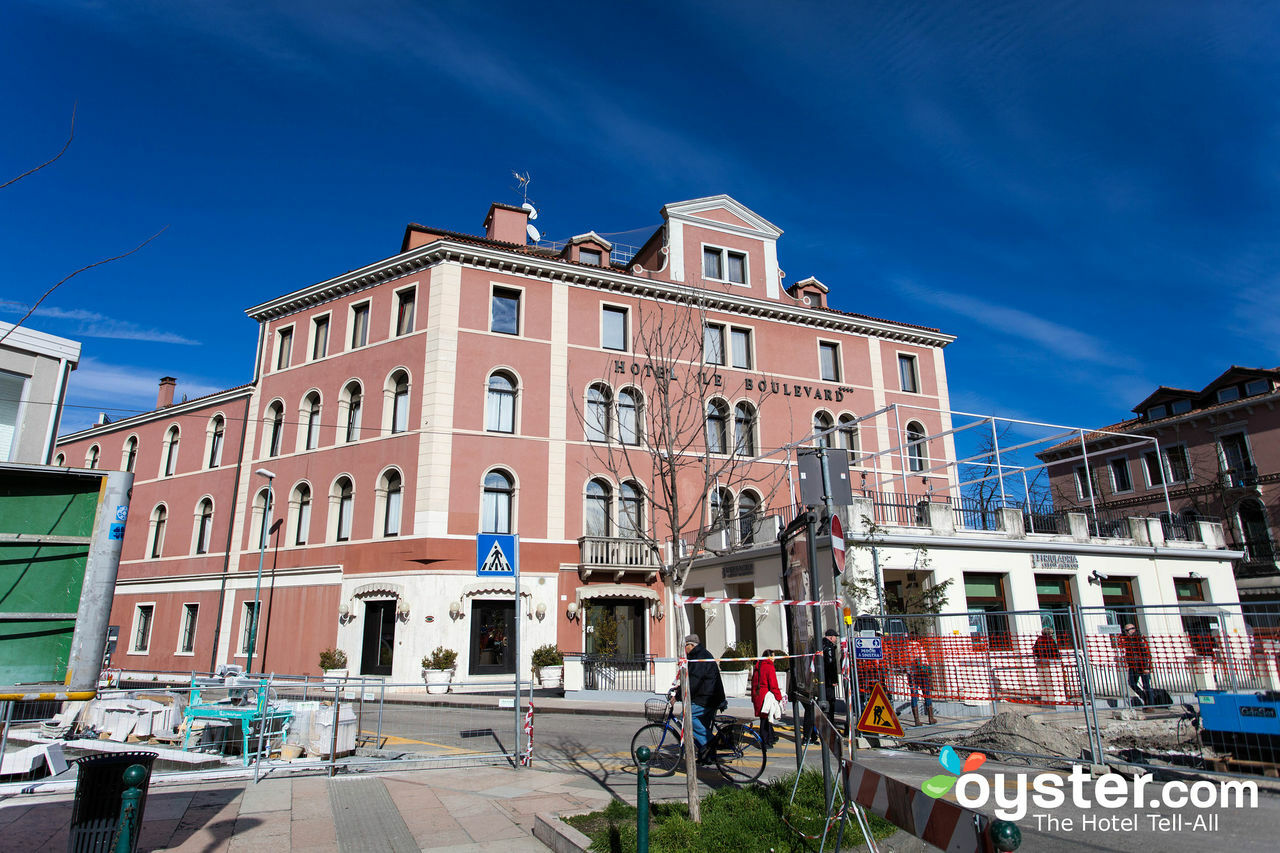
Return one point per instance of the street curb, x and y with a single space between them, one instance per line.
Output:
558 835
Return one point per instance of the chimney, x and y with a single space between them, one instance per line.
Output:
507 224
165 398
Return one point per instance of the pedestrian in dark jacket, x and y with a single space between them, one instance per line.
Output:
1048 657
1137 659
831 669
706 690
764 682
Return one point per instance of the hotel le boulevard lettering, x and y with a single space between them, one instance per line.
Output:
712 379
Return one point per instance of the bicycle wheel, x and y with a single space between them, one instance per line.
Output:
739 754
664 748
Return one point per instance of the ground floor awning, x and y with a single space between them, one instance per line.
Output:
617 590
494 587
382 588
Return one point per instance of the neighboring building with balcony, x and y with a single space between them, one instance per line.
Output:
472 384
34 369
1215 455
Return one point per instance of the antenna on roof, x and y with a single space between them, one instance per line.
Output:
523 188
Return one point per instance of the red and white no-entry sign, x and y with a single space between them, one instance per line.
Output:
837 543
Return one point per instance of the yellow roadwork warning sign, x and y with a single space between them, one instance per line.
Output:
878 717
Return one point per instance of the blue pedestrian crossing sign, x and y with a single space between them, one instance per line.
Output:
497 555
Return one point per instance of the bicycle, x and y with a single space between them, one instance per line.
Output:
735 747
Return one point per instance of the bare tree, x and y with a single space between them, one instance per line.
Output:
688 446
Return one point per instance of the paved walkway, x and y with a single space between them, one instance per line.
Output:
468 809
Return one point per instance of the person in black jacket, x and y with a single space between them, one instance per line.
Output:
831 670
706 690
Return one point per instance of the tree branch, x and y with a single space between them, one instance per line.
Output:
54 158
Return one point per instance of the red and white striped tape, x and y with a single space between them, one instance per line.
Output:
946 825
701 599
527 758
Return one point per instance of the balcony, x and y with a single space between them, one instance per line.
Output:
617 557
1243 477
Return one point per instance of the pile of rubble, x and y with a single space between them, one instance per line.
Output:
1009 733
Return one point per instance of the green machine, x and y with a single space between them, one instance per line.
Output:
60 535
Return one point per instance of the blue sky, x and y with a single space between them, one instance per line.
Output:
1084 193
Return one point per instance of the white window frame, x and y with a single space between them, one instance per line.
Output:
305 422
914 361
295 519
242 640
133 628
169 450
490 394
1254 383
283 333
521 307
1146 468
327 319
1168 465
1180 407
211 459
195 528
707 326
1111 470
725 252
188 607
389 409
412 291
124 453
381 499
353 314
599 259
607 308
823 345
731 355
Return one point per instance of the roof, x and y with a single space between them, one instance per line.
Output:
133 420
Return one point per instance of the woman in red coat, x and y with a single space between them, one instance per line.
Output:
764 681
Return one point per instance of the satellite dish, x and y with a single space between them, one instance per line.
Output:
533 233
533 211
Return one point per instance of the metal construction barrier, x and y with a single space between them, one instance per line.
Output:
101 786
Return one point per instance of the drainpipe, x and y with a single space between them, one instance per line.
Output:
226 558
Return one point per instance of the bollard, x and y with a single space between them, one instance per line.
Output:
642 800
127 830
1005 835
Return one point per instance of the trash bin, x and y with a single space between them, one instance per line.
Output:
99 789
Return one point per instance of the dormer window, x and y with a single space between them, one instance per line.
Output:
1157 412
1257 386
1180 407
591 256
1231 392
724 265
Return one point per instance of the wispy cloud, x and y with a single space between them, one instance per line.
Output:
90 324
124 386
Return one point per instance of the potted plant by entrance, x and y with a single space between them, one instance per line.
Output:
734 672
334 664
548 665
437 669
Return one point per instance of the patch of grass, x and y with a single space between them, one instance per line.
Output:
734 820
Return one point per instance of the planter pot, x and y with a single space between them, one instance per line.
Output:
336 674
551 676
735 683
437 680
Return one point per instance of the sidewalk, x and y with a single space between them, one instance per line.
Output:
468 809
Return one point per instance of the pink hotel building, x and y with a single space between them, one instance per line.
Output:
407 405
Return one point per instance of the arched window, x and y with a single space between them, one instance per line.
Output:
393 497
630 511
500 404
217 430
849 437
721 509
159 518
129 458
630 410
91 457
344 503
744 429
598 423
499 497
717 426
822 424
399 401
204 526
171 451
352 399
302 522
262 511
748 517
275 417
311 421
597 520
916 447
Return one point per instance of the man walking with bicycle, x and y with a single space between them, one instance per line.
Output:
706 691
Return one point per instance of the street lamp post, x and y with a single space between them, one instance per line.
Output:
262 554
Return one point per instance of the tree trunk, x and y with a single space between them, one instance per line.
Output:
686 723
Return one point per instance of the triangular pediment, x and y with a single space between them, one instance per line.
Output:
724 211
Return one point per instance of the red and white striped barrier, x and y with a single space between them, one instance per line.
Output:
527 758
943 824
705 600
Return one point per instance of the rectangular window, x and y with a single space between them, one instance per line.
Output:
247 629
591 256
1177 464
1120 480
724 265
12 388
1083 485
713 343
391 523
829 361
1156 412
711 264
187 639
613 328
284 348
504 314
319 337
984 595
908 378
1180 407
737 267
143 615
740 340
1155 471
1257 386
359 325
404 312
1231 392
